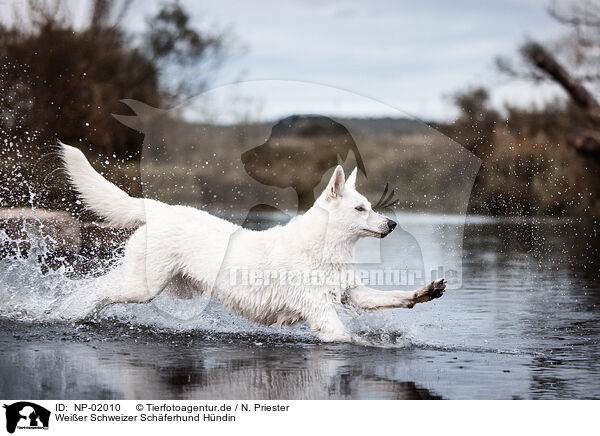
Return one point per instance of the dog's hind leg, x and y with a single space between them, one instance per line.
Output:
146 272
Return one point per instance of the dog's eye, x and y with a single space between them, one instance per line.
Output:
360 208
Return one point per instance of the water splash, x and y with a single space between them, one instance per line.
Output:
39 285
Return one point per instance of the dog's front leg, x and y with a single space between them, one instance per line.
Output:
328 327
371 299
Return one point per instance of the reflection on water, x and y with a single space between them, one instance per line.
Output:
525 324
190 368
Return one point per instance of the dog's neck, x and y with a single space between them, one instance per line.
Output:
320 239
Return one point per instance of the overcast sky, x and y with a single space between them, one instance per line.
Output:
411 55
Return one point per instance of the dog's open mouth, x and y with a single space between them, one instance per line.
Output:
376 234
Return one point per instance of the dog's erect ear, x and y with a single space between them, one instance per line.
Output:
351 181
335 187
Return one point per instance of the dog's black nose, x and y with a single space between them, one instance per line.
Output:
392 224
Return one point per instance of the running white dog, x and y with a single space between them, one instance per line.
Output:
209 252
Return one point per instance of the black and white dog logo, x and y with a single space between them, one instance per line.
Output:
26 415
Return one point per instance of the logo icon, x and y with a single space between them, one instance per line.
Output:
26 415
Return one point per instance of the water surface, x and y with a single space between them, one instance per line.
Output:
525 324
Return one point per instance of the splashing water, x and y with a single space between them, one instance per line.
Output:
38 285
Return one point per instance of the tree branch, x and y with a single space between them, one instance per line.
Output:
546 62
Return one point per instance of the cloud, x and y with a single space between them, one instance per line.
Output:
409 54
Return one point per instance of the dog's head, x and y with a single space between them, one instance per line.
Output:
350 213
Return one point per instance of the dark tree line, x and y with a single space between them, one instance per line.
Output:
62 81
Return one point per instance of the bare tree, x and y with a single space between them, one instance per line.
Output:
573 63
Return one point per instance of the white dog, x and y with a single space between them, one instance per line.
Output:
209 252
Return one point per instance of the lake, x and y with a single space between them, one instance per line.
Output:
523 324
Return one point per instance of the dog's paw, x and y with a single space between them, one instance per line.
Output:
437 288
432 291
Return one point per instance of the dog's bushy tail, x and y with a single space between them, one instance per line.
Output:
98 194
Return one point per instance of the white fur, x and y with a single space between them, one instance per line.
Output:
205 250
